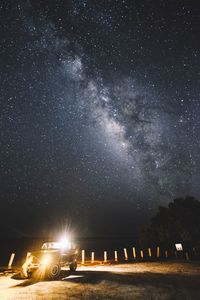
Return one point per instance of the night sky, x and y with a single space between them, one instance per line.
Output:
99 113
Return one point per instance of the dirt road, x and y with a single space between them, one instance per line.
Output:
126 281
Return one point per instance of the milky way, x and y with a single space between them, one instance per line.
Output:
99 108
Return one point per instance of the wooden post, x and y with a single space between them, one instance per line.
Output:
83 257
166 254
125 254
11 260
134 253
116 258
141 254
92 257
175 253
187 256
149 252
105 256
194 250
158 252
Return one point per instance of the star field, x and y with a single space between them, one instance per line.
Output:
99 111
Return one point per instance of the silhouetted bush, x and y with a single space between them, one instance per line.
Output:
180 221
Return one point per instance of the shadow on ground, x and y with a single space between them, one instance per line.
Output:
136 279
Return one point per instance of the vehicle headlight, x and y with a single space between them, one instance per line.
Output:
65 243
46 260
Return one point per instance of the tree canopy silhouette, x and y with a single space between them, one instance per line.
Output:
180 221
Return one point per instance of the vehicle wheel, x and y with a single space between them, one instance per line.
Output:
53 271
73 266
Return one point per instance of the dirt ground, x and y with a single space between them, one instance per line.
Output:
152 280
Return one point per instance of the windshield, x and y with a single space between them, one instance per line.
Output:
51 246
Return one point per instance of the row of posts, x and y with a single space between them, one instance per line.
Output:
135 255
126 258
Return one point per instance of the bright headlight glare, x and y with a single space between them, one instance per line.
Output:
65 243
46 260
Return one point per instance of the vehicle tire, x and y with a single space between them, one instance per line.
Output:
53 271
73 266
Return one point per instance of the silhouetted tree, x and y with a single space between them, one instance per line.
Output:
180 221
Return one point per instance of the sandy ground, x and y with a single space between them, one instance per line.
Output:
152 280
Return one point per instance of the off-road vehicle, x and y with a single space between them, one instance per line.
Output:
47 262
